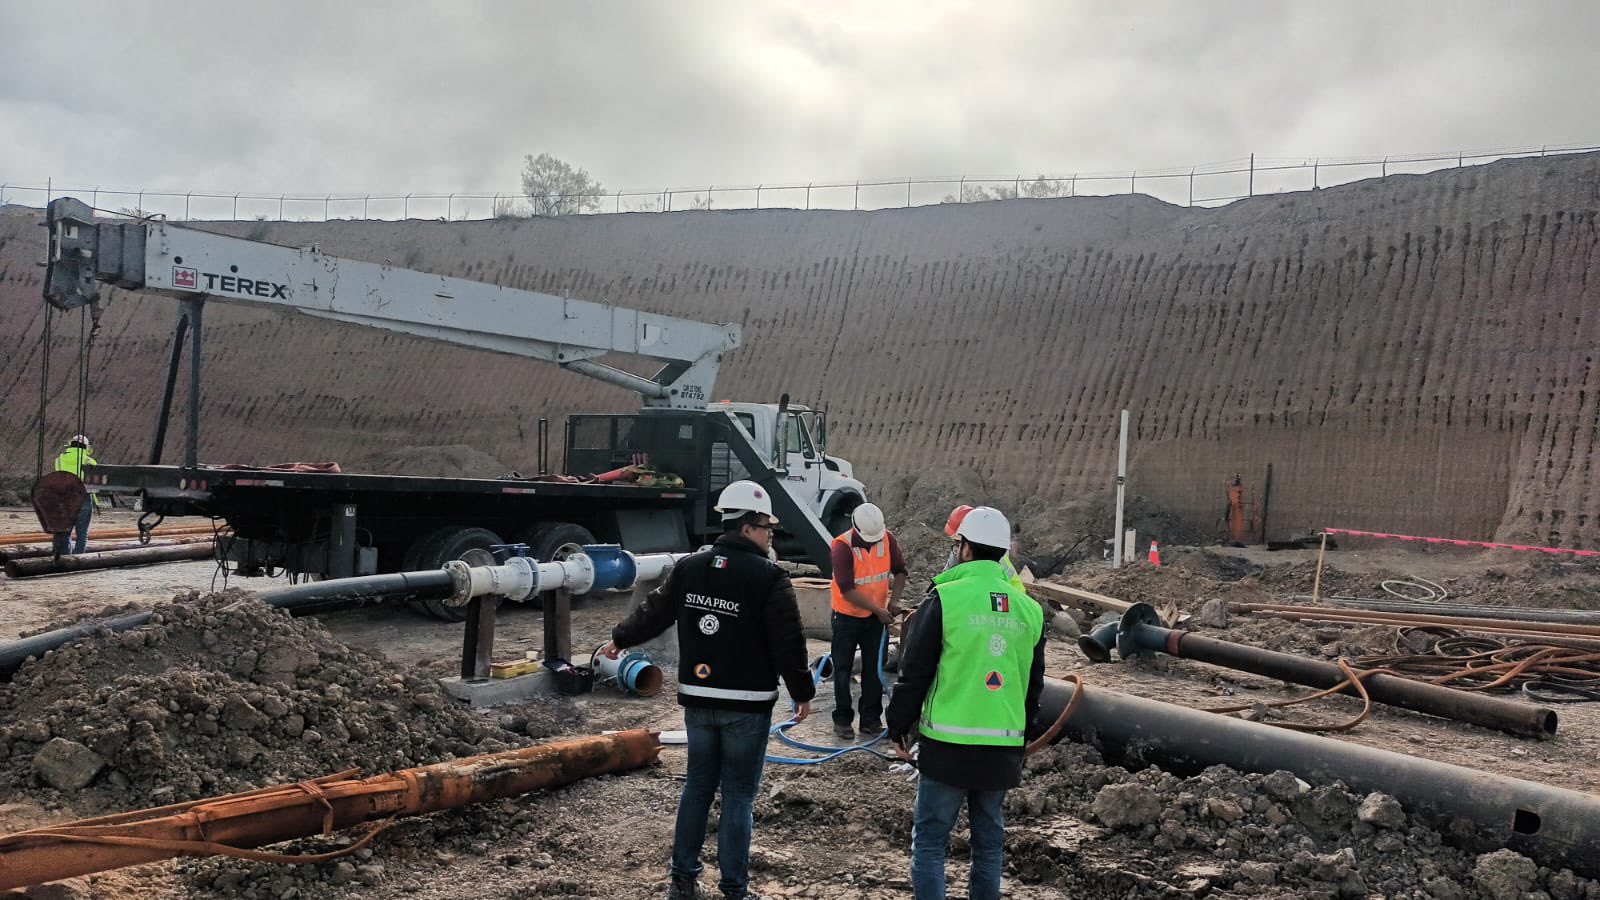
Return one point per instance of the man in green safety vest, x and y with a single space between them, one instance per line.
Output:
971 674
73 459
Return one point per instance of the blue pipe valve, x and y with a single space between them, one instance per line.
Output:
614 568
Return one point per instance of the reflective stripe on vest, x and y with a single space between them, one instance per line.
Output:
976 732
694 690
872 576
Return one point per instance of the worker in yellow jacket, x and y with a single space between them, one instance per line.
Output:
74 459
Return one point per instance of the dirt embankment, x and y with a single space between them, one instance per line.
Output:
1409 354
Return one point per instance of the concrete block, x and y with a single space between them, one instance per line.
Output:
499 691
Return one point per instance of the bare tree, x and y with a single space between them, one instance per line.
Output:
555 188
1039 188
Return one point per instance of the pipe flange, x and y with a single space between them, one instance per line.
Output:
460 583
1139 614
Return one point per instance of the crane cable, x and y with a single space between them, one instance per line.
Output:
44 386
86 336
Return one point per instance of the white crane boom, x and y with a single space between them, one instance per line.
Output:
158 255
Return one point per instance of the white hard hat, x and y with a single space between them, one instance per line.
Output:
81 439
987 526
868 521
743 497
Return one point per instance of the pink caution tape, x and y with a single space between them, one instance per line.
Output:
1455 543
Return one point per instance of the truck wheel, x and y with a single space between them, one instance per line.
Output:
416 559
838 519
554 540
452 543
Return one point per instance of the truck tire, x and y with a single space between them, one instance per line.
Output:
837 519
441 547
550 541
424 547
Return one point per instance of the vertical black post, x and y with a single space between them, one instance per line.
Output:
342 542
175 360
191 450
1266 497
477 650
558 626
544 446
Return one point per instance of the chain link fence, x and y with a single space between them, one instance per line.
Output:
1209 184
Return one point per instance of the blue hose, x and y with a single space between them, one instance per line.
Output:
831 753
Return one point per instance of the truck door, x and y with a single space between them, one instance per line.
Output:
804 458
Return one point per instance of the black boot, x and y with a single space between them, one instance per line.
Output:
684 889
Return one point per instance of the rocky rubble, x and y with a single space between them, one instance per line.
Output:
1268 835
218 694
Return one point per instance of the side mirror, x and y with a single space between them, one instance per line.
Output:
821 432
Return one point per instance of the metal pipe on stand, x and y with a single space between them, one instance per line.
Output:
1141 632
597 567
1555 826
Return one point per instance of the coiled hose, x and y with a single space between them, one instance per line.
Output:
831 753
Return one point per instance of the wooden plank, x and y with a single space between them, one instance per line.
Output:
1072 596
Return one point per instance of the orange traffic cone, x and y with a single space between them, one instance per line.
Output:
1155 555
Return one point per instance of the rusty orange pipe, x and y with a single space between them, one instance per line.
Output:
232 824
42 537
38 551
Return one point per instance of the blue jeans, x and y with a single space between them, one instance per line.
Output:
932 819
727 750
80 531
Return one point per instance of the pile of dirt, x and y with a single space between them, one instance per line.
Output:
443 461
1151 833
15 489
1088 829
219 694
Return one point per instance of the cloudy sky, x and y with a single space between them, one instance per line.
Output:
352 97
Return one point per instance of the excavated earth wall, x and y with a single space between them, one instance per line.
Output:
1410 354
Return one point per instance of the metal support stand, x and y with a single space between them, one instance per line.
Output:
477 650
173 362
558 626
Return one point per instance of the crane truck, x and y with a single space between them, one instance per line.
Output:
338 524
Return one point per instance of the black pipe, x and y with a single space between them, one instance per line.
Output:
1513 717
301 600
1555 826
321 596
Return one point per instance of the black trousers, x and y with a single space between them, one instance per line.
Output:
852 633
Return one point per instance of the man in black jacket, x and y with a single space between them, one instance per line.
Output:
738 631
971 674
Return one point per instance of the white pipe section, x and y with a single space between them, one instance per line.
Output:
521 578
654 566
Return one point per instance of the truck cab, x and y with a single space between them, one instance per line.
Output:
795 439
